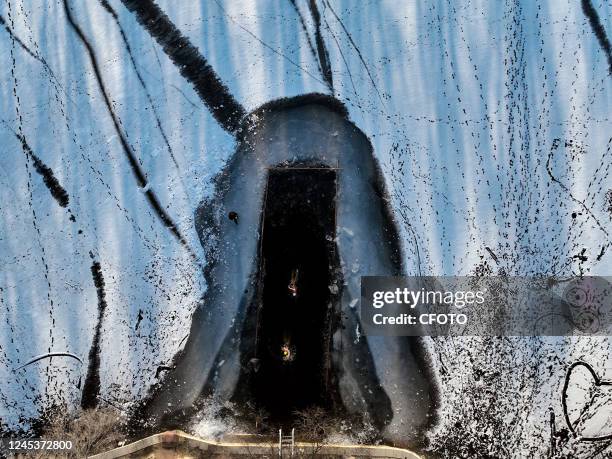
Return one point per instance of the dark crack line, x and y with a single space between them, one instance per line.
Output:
53 185
113 13
182 93
23 45
50 180
275 51
305 29
598 29
350 38
136 169
321 49
34 55
91 387
49 355
348 70
568 191
190 63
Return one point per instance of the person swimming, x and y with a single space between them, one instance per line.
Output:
286 353
287 348
293 289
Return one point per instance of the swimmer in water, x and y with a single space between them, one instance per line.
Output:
293 282
287 349
287 352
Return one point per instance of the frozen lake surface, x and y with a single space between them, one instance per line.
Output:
490 122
